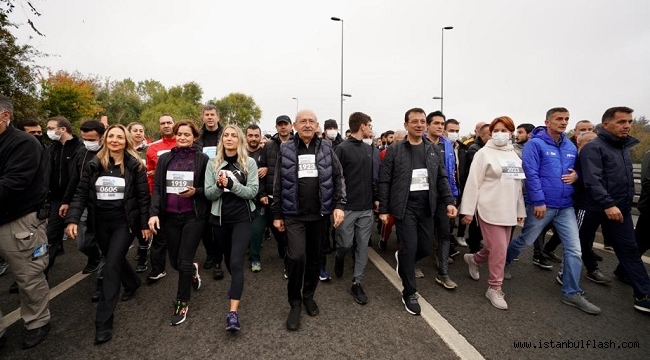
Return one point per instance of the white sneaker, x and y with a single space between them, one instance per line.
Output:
472 266
497 298
461 241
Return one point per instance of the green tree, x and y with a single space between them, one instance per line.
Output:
18 73
239 109
70 95
181 102
121 101
641 131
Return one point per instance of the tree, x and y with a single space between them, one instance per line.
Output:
70 95
641 131
121 101
238 109
18 73
181 102
7 7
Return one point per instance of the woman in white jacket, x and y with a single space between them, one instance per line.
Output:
493 193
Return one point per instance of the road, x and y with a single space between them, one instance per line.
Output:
454 324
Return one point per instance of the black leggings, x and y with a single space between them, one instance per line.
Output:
183 233
233 239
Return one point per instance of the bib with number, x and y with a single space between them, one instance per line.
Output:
420 180
307 166
110 188
211 151
178 181
512 169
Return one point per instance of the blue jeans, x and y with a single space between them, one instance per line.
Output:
567 227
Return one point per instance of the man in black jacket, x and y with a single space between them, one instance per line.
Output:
606 165
360 163
412 181
22 231
308 188
268 160
62 163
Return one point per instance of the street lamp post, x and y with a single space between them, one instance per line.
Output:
442 61
295 98
341 20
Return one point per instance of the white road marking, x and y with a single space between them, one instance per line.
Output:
456 342
13 316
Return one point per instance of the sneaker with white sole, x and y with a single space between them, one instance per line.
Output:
461 241
418 273
256 266
497 298
196 278
472 266
411 304
180 313
580 301
642 304
232 322
446 282
397 261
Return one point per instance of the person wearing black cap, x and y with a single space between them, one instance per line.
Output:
267 161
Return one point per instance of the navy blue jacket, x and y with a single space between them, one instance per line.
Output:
331 192
607 174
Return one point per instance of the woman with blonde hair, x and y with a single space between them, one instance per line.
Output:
231 184
114 189
494 193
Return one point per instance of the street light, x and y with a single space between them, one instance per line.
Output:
442 60
295 98
341 20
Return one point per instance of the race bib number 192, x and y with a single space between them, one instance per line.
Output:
307 166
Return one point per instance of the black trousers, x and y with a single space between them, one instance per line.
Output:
114 238
279 236
234 239
303 257
158 252
414 242
475 235
211 244
55 227
183 233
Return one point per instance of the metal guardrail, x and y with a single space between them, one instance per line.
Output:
636 170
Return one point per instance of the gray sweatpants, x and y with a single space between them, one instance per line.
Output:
356 228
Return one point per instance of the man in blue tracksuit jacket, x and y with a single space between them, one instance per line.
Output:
548 161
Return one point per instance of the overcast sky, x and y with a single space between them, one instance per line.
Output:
517 58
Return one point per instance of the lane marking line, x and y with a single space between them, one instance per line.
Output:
456 342
13 316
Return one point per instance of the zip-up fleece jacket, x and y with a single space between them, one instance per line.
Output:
544 162
159 195
331 192
136 195
607 174
395 179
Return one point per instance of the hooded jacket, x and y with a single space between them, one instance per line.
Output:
544 162
450 163
607 174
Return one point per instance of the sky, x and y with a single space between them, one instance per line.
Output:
503 57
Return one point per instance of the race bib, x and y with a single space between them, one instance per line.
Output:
178 181
110 188
420 180
512 169
162 152
211 151
307 166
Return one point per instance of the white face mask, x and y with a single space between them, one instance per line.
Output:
500 138
367 141
453 136
53 136
331 134
92 145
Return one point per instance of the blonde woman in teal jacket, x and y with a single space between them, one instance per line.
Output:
231 184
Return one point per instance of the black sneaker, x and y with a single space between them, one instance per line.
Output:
411 304
338 266
382 245
551 256
154 276
141 268
180 313
90 268
209 262
541 262
293 319
359 295
217 273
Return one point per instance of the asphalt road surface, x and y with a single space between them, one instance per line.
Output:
454 324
